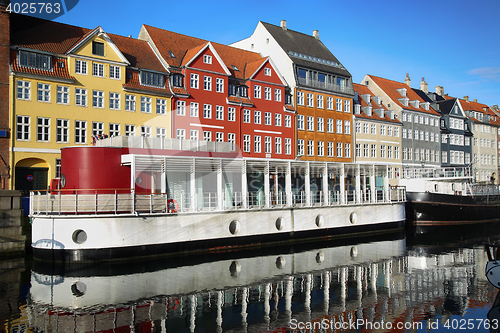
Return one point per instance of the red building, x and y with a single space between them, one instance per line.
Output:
225 94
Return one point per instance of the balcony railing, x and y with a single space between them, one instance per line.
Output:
325 86
83 203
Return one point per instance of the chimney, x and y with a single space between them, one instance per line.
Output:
439 90
316 34
408 80
424 86
475 100
283 24
466 98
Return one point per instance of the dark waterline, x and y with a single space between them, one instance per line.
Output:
433 279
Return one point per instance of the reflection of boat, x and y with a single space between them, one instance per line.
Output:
493 276
180 296
162 196
446 197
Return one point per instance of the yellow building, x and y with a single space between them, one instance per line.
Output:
69 85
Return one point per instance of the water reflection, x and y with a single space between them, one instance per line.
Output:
405 283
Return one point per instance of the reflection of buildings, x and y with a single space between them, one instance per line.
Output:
373 282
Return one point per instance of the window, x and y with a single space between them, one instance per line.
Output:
396 132
267 71
129 102
219 85
114 101
389 130
98 99
129 130
444 156
310 148
321 148
339 149
194 135
114 72
310 123
347 150
256 144
80 97
330 149
180 109
145 104
310 100
256 91
181 134
329 125
288 121
193 109
373 150
277 120
58 167
98 69
373 129
246 143
62 95
219 137
267 145
80 131
319 101
43 94
389 152
161 132
246 115
382 129
195 78
161 106
300 147
347 106
231 138
207 59
300 98
321 124
366 128
146 131
62 130
152 79
300 121
219 112
347 127
98 48
23 128
357 150
207 83
339 104
288 146
23 90
267 118
329 103
80 67
404 133
358 127
396 152
339 126
231 114
114 129
256 117
366 151
277 95
35 60
97 128
267 93
207 111
207 136
178 80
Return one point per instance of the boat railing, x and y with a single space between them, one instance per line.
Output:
483 190
119 201
451 172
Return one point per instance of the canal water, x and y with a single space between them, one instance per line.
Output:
396 283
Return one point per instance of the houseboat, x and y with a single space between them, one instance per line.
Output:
135 196
439 197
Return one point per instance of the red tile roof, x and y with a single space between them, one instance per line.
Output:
185 47
58 71
363 90
390 88
138 52
133 83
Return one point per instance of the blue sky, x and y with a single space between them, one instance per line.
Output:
454 44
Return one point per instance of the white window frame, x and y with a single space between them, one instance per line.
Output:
80 97
23 90
98 99
130 102
80 132
161 106
62 130
114 101
145 104
43 92
62 95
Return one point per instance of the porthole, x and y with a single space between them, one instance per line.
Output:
138 180
280 223
280 262
353 217
63 181
79 236
320 257
320 220
235 269
78 289
234 227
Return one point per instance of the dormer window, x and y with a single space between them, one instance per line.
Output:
425 105
152 79
415 103
98 48
35 60
178 80
243 91
402 91
357 108
232 89
404 101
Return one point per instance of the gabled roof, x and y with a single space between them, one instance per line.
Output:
183 48
390 88
138 53
446 106
192 54
47 36
308 46
363 90
254 67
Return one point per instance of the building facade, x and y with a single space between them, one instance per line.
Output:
321 86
